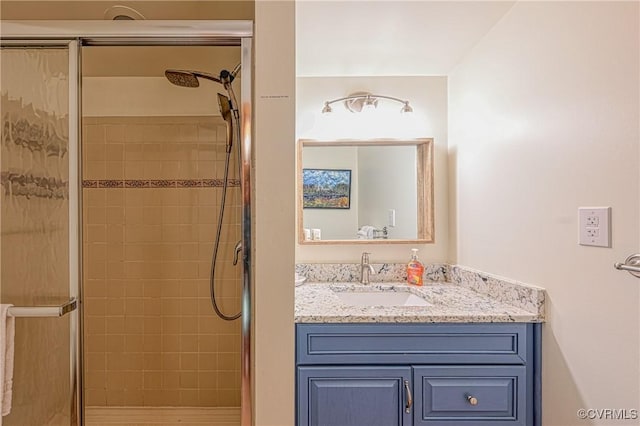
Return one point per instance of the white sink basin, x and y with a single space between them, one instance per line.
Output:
380 298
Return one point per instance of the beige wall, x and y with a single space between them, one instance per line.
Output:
543 119
151 335
274 220
428 97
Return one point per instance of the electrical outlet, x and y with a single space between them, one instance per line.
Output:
593 232
595 225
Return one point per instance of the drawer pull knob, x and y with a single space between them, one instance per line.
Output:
472 400
407 389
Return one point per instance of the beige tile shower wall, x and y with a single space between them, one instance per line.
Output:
154 148
151 336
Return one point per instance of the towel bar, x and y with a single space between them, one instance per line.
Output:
631 265
44 311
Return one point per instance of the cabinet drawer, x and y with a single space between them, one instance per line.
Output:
412 343
470 395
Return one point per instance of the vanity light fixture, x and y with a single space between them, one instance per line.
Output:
362 101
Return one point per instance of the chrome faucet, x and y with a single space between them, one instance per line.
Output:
365 268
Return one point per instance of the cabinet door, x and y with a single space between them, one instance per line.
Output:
471 396
353 396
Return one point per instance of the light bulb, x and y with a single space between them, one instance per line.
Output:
369 104
406 108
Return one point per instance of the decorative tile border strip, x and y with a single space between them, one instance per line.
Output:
129 184
189 183
524 296
350 272
159 183
34 186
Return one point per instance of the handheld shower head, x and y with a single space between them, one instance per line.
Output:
225 110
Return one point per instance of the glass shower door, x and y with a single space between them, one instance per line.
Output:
39 228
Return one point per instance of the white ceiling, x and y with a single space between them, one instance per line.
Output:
376 38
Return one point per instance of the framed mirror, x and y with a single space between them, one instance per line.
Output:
365 191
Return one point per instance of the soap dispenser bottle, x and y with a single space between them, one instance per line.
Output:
415 269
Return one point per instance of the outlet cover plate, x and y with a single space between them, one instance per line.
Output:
595 226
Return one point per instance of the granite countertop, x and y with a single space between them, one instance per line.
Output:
317 302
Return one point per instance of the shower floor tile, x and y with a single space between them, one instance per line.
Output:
162 416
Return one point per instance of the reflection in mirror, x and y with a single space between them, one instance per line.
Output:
372 191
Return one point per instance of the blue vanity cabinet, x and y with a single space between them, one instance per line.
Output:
418 374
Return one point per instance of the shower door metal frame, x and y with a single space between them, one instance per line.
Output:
75 191
150 33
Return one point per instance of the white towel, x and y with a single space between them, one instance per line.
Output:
366 232
7 333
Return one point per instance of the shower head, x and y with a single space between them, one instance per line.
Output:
182 78
188 78
228 108
225 110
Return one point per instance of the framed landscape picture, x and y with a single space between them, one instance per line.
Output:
326 189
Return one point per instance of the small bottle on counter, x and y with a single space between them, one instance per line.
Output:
415 269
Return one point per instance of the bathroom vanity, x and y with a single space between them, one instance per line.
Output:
464 359
417 374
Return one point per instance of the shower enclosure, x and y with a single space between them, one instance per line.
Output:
108 222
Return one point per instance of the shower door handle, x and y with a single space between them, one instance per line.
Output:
44 311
